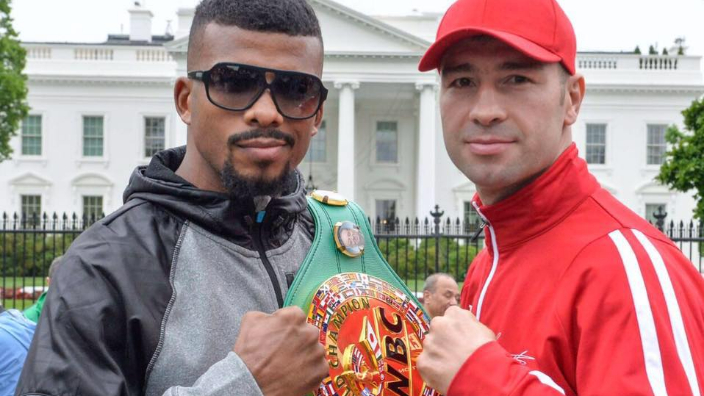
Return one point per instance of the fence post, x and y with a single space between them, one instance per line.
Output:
437 214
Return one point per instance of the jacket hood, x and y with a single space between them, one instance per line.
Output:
158 183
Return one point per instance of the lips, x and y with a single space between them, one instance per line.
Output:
489 146
263 149
261 143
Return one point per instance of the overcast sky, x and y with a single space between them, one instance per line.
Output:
601 25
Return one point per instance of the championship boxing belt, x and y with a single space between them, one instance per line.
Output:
371 324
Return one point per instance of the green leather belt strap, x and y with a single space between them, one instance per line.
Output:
324 260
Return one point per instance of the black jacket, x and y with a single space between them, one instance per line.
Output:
150 297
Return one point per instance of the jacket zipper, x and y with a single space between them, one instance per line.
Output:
267 265
495 264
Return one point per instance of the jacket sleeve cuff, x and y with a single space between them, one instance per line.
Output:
229 376
485 372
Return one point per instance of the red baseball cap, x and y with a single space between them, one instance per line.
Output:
537 28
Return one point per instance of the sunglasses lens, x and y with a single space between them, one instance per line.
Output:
297 95
234 87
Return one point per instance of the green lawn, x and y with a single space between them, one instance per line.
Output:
12 282
17 304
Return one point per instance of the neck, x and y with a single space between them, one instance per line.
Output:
492 195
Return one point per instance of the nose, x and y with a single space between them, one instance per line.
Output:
487 109
263 113
453 301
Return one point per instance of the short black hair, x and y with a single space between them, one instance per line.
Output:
291 17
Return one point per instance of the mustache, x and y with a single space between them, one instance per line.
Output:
261 133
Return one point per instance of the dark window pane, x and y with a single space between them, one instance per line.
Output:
154 135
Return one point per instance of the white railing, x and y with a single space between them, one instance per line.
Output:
658 62
93 54
39 53
153 55
597 63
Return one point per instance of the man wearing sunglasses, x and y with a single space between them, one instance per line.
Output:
180 291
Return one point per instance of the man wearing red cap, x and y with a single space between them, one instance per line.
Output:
575 294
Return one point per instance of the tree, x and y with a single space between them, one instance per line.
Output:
683 169
637 50
13 84
664 51
652 50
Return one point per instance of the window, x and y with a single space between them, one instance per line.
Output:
92 207
596 144
386 210
32 135
656 144
472 221
92 136
317 151
652 209
387 142
154 132
31 208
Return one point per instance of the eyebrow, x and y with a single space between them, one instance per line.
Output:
506 66
463 67
522 65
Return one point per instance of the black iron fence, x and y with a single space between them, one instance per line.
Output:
415 248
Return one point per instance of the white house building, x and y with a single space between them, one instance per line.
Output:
99 110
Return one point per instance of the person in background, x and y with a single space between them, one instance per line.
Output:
440 293
16 334
574 294
32 313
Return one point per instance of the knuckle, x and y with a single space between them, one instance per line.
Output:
311 331
422 362
319 351
437 324
252 316
293 313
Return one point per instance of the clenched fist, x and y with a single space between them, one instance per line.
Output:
282 352
452 339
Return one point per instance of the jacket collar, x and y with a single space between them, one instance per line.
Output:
542 204
159 184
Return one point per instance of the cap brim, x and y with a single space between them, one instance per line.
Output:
433 56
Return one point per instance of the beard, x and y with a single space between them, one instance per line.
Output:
243 188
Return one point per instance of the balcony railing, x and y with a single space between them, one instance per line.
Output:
93 54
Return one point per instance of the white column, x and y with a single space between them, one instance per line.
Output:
425 180
345 139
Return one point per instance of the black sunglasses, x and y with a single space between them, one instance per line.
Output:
236 87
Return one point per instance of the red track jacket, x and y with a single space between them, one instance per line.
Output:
585 297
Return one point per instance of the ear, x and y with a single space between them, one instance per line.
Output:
182 98
426 294
576 88
318 120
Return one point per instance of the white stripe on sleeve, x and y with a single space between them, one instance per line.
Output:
673 310
546 380
644 316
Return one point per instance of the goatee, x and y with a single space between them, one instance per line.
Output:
242 188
